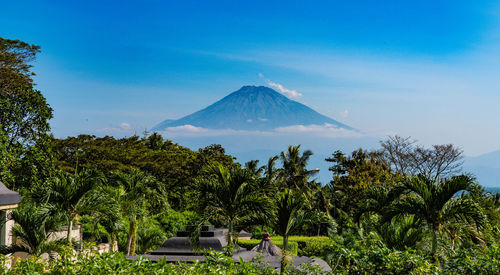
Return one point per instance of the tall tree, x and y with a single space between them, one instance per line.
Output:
141 191
294 173
35 227
290 214
406 157
434 203
233 198
24 116
72 195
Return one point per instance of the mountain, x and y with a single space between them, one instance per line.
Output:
485 167
252 108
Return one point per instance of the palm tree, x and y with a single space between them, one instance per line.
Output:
253 166
150 236
294 173
402 232
434 203
289 214
72 195
34 228
139 190
233 198
110 217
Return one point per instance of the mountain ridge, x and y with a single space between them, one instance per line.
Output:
252 108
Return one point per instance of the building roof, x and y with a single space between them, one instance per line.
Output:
178 249
7 196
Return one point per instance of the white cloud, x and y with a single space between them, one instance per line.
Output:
281 89
125 126
325 130
193 131
345 113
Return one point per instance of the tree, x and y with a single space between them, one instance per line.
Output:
289 213
72 195
141 191
34 228
233 198
155 141
401 233
407 158
434 203
253 166
24 116
25 113
294 173
354 176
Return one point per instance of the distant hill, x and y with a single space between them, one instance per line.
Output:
252 108
485 167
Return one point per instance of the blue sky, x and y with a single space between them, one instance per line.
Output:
428 69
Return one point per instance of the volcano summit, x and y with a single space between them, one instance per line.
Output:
253 108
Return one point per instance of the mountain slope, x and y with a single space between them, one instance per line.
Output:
252 108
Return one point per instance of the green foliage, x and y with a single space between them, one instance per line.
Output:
293 247
24 115
474 261
378 261
150 236
116 263
172 221
309 246
175 166
34 226
72 195
233 198
433 203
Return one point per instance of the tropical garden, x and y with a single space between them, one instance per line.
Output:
401 209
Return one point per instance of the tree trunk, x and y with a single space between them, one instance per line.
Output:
133 238
70 227
285 242
230 233
114 243
434 242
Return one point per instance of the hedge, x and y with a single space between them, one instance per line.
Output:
249 244
309 246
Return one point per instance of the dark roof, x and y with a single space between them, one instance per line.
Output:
210 239
178 249
243 233
8 196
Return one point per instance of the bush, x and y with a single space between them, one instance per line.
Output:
172 221
309 246
249 244
474 261
116 263
378 261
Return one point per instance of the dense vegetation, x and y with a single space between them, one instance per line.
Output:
401 209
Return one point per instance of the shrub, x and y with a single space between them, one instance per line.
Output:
308 246
474 261
116 263
378 261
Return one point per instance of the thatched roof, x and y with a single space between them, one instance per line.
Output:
267 247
